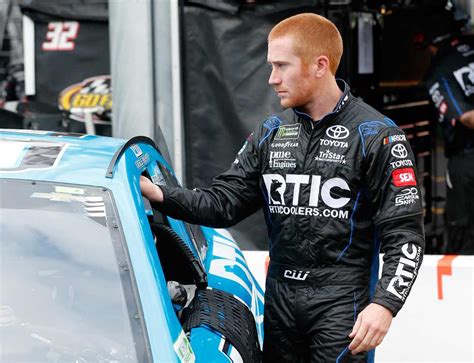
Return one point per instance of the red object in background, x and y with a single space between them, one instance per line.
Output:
444 268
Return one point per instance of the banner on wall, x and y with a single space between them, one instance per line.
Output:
71 46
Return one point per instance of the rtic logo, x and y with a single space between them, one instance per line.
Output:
61 36
288 132
336 143
399 151
400 163
337 132
284 145
296 275
404 177
407 196
277 186
281 159
394 138
406 271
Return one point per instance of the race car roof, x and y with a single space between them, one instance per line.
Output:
47 155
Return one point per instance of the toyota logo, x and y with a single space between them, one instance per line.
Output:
337 132
399 151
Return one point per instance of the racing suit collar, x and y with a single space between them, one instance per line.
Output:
343 101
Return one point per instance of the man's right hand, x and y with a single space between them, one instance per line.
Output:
150 191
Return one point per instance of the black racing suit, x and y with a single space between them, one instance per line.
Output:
333 192
450 82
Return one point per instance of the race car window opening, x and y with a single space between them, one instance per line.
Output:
177 260
66 286
194 231
172 251
169 178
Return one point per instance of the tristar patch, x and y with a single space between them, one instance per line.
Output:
394 138
404 177
288 132
332 157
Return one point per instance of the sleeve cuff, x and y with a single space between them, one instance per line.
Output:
387 305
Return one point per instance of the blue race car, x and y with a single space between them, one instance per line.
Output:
90 272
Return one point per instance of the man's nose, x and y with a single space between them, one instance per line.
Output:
274 78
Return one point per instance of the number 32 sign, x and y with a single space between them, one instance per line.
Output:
61 36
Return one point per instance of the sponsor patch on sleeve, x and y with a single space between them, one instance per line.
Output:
394 138
404 177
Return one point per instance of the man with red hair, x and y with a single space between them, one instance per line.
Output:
337 181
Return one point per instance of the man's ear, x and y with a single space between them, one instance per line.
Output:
321 66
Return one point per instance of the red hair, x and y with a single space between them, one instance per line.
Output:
313 35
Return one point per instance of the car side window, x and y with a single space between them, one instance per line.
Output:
168 177
161 175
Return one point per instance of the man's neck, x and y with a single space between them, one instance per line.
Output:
325 99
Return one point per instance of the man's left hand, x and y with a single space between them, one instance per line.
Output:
370 328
